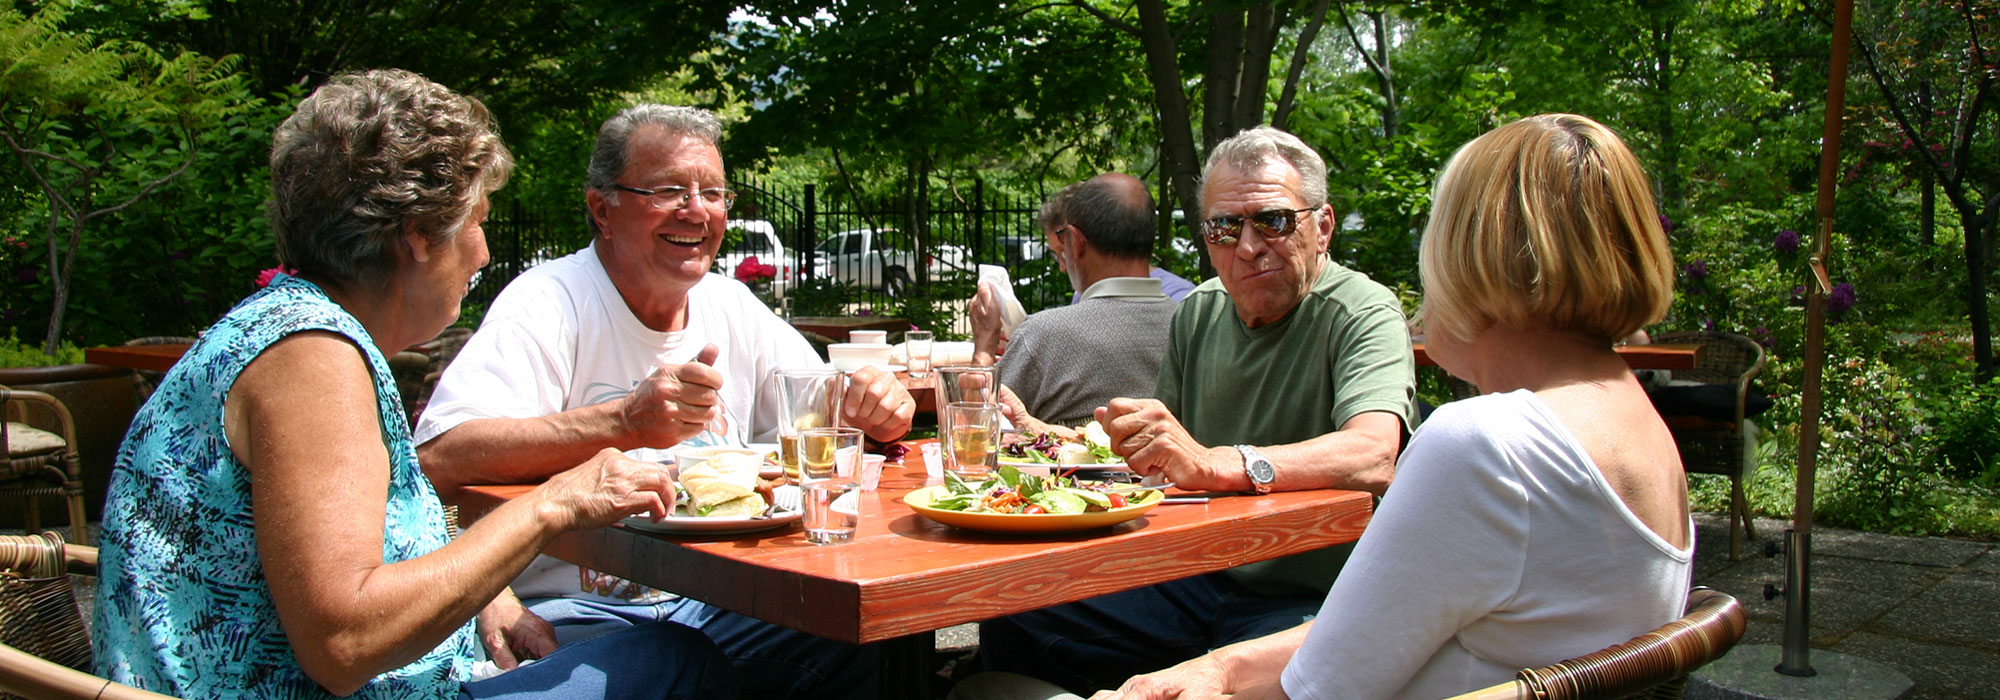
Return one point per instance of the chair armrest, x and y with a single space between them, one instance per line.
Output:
34 677
54 406
1743 385
80 559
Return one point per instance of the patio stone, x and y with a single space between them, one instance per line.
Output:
1989 562
1846 593
1959 610
1940 670
1923 551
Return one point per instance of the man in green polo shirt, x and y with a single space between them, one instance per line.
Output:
1286 371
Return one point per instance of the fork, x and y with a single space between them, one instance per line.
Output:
786 498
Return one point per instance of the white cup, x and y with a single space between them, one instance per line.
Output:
868 336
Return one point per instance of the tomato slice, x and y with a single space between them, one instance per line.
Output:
1117 499
1032 509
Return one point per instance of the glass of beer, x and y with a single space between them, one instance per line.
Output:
972 441
811 398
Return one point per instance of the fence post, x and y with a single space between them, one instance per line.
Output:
809 231
978 242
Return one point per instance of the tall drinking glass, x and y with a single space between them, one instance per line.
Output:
965 384
829 462
972 443
918 346
811 398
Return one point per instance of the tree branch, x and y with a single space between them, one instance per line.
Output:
1108 20
1300 54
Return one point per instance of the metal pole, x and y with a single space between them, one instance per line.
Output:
1796 660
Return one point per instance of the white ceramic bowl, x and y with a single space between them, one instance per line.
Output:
867 337
848 357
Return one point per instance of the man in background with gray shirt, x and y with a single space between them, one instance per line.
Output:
1065 362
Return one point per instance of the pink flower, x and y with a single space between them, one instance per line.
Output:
264 277
753 271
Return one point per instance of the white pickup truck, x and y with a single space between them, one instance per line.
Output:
883 259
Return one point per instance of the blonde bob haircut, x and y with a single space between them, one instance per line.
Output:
1547 222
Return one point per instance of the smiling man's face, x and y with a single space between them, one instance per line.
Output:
653 248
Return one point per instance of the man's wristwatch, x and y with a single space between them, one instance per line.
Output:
1260 471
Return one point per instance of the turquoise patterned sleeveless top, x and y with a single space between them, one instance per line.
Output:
182 604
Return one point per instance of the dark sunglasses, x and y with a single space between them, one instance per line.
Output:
1270 223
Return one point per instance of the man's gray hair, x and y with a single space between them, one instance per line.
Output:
607 158
1255 146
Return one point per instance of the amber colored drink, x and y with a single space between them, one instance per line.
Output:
816 456
788 454
971 445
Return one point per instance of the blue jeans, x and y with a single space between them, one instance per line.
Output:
1098 643
775 663
667 661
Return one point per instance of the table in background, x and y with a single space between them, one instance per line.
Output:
1664 356
157 358
904 576
837 327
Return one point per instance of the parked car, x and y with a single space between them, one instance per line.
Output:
883 259
759 240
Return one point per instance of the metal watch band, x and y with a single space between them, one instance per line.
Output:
1260 480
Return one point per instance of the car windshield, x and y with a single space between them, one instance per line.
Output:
752 244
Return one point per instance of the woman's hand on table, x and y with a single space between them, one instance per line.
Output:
1152 441
1199 677
512 634
606 489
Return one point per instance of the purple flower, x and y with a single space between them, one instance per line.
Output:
1787 242
1841 300
1696 270
1708 324
1762 336
1799 295
1666 224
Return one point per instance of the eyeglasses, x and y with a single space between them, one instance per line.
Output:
676 196
1270 223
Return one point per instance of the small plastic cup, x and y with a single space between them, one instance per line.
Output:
871 471
933 462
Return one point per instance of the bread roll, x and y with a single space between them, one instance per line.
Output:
723 486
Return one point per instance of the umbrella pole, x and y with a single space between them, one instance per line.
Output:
1796 660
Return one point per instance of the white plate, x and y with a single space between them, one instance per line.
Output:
682 524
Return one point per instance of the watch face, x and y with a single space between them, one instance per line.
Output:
1261 471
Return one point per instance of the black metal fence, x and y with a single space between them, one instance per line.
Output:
915 258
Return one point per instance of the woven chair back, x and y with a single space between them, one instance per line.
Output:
1723 359
1657 661
38 610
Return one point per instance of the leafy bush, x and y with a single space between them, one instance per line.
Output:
14 353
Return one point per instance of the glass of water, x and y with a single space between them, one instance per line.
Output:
918 345
829 462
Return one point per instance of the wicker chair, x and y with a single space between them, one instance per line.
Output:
41 458
1652 666
44 647
1717 447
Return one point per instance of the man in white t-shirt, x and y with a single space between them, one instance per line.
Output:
632 345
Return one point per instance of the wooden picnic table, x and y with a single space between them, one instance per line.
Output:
1663 356
904 576
837 327
156 358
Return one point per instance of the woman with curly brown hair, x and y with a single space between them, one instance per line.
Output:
269 533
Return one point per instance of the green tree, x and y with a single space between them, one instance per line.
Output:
1935 73
98 125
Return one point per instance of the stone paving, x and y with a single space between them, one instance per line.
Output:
1928 607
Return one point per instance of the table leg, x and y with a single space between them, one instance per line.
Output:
906 666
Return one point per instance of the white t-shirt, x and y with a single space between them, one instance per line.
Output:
1499 546
560 337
